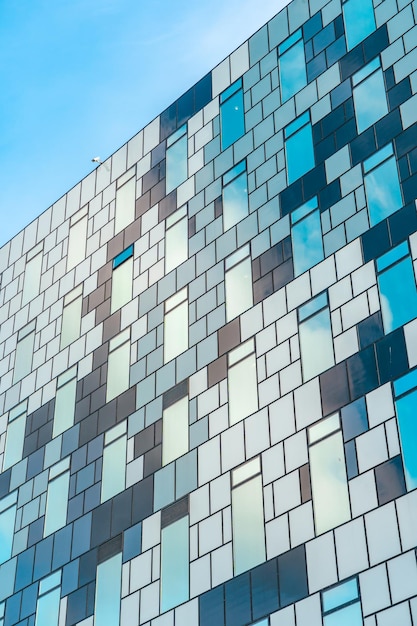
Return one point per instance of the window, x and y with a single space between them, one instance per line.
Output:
77 239
49 598
299 151
341 605
359 21
369 95
232 119
125 204
235 195
122 279
7 522
114 462
292 65
382 186
247 517
176 325
57 497
405 390
174 562
316 343
24 352
238 283
118 365
307 241
242 382
174 430
176 159
15 436
65 401
108 592
397 287
328 474
71 317
176 239
32 277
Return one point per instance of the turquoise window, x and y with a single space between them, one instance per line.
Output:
382 185
341 605
235 195
176 159
232 119
174 564
299 150
7 522
49 597
369 95
306 236
108 592
359 21
405 390
292 66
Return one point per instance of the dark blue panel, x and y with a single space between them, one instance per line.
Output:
388 127
142 500
29 598
334 389
341 93
185 107
35 463
330 195
325 148
406 141
62 547
264 582
211 606
312 26
362 373
351 460
5 483
410 189
363 146
13 609
376 241
87 567
132 542
168 121
375 43
399 93
390 482
69 577
316 66
412 157
403 167
336 51
121 512
77 606
392 356
24 570
238 609
292 576
324 38
43 558
202 92
339 27
347 132
370 330
352 62
291 197
313 181
354 419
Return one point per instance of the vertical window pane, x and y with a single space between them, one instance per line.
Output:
47 607
397 287
15 438
175 431
370 101
71 322
235 201
121 288
348 616
292 70
32 278
243 389
125 205
299 153
383 191
307 243
76 243
248 525
176 161
118 370
232 119
108 592
316 344
176 245
238 286
114 469
176 331
23 359
64 407
7 522
359 21
174 564
56 503
407 424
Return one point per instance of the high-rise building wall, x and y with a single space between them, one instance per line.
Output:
208 350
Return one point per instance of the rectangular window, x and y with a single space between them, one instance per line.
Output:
32 276
232 118
341 605
118 365
7 522
49 598
77 239
113 478
24 352
176 159
57 497
359 21
71 317
242 382
306 236
292 65
247 517
176 325
176 239
108 592
369 95
65 401
174 562
174 430
125 205
299 151
397 287
316 342
122 279
238 283
405 391
328 474
235 196
15 435
382 185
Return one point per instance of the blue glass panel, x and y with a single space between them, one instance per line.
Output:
397 288
307 243
47 610
348 616
392 256
212 607
292 575
313 305
126 254
342 594
174 564
378 157
359 20
366 71
108 589
289 42
407 424
264 589
299 153
234 172
238 601
304 210
132 542
296 124
292 71
177 135
7 520
383 191
370 101
405 383
176 164
232 119
354 419
230 90
235 201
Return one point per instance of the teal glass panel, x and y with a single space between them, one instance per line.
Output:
114 469
397 288
304 210
7 521
174 564
296 124
299 153
230 90
234 172
64 407
316 344
383 191
307 243
339 595
56 504
120 258
232 119
378 158
314 305
108 592
47 609
359 21
235 201
292 71
370 101
348 616
407 425
248 525
405 383
176 163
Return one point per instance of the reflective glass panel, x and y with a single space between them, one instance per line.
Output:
232 119
15 438
397 288
108 592
329 483
118 369
370 101
7 522
176 331
47 608
348 616
125 205
64 407
32 278
176 164
299 153
407 424
359 21
383 192
175 431
292 70
71 322
56 503
176 245
114 469
307 243
122 282
339 595
238 284
174 564
316 344
243 389
76 243
235 201
23 359
248 525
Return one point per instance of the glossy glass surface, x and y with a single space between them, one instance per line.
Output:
176 331
47 608
175 431
122 257
370 101
359 21
108 591
56 504
176 163
243 389
15 438
407 425
118 369
339 595
176 245
383 192
122 283
174 564
32 279
114 469
398 294
76 243
348 616
64 407
292 70
232 119
125 205
238 285
23 358
235 201
7 522
307 243
299 153
71 322
316 344
354 419
248 525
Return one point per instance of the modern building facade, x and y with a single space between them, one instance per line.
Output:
209 350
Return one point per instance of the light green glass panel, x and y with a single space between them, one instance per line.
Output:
176 331
370 101
23 359
15 438
47 609
76 243
174 564
238 283
64 407
175 431
56 504
118 369
125 205
348 616
329 483
7 521
248 525
114 469
121 287
316 345
176 245
108 592
176 164
243 389
71 322
31 282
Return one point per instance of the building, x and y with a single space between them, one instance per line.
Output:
209 348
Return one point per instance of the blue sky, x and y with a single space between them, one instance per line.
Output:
80 77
